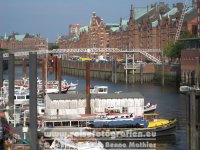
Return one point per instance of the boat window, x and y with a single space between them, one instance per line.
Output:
74 123
101 90
82 123
57 123
49 124
27 96
66 123
124 109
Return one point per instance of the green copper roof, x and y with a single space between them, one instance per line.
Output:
139 12
189 10
112 24
84 29
19 37
171 12
114 29
154 23
124 22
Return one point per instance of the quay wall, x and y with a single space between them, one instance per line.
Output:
144 73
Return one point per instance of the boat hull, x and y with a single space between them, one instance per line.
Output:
168 129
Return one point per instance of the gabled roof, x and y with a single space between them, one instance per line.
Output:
172 12
139 12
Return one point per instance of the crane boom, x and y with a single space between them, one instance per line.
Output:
181 20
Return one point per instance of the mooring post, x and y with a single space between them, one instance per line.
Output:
33 100
59 73
24 68
126 66
115 71
55 68
11 78
141 73
88 107
44 75
1 69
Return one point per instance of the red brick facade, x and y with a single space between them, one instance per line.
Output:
26 42
153 30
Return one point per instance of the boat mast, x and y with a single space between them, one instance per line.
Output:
197 72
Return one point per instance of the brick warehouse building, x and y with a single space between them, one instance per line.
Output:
147 28
23 42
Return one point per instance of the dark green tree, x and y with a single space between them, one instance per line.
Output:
54 47
173 50
3 49
187 34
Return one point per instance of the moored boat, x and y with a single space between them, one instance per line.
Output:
157 127
184 89
118 121
97 89
150 107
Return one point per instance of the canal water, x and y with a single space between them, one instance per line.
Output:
170 103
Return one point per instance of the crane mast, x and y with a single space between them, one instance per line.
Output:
181 20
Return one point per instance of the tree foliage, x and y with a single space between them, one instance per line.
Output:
173 50
187 34
54 47
3 49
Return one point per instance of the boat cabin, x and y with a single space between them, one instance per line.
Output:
21 98
99 90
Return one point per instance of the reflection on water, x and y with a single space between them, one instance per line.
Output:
170 104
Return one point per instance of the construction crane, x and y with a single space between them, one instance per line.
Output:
181 20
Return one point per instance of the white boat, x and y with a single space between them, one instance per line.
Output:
149 107
53 86
185 89
67 143
72 86
99 89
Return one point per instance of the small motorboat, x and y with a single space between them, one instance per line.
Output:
184 89
97 89
150 107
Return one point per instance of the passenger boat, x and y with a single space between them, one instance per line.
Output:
53 86
118 121
158 127
150 107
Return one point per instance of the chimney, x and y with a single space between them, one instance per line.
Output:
94 14
120 22
131 12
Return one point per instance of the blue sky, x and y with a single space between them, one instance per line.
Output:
52 17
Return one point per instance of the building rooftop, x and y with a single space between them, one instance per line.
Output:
93 96
19 37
